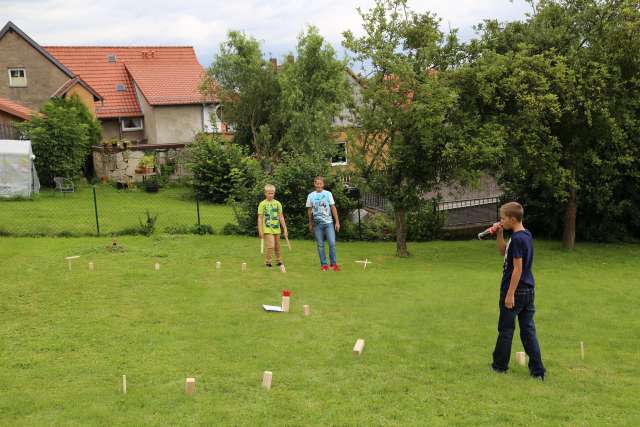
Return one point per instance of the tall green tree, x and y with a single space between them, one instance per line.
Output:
564 85
411 132
280 109
248 88
61 136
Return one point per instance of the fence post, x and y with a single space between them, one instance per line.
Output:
95 208
198 209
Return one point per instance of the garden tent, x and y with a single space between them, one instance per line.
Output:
18 177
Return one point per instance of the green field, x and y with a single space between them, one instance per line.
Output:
429 322
53 213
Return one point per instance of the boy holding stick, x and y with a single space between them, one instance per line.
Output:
270 218
516 293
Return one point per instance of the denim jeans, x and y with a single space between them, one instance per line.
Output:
324 232
523 309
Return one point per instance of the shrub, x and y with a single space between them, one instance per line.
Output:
425 223
231 229
293 179
61 136
220 169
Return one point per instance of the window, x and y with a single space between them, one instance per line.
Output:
120 87
17 77
111 58
131 123
339 158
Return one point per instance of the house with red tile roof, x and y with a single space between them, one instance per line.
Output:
33 77
151 94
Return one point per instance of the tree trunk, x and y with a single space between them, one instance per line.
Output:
401 232
569 233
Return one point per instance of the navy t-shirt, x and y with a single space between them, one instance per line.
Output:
519 246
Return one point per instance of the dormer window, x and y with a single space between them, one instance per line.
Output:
17 77
120 87
111 58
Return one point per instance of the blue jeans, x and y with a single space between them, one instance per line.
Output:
523 309
324 232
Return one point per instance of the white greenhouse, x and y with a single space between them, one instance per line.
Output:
18 177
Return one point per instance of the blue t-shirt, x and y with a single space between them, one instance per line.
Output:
519 246
320 204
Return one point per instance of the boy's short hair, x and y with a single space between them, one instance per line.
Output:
318 178
513 210
270 187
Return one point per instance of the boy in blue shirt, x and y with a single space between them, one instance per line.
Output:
321 209
516 293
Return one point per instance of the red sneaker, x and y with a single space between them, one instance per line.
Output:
335 267
325 268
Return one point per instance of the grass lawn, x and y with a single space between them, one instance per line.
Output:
54 213
429 322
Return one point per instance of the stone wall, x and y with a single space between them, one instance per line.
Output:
119 165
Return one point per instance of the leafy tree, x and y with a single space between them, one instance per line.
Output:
412 133
220 169
285 109
564 87
61 136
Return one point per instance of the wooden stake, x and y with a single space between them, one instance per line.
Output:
124 384
267 376
69 258
157 266
365 262
190 386
91 265
521 358
288 243
359 347
218 265
285 304
244 266
582 350
261 246
307 310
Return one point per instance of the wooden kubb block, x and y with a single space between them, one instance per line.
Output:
521 358
267 376
190 386
359 347
307 310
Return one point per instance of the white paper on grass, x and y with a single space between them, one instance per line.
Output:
272 307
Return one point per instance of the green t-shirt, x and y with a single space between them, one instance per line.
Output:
270 211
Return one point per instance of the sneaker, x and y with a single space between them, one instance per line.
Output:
268 265
498 371
335 267
325 268
279 263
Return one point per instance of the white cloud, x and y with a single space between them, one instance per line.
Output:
203 23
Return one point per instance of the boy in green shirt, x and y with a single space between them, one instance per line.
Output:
270 217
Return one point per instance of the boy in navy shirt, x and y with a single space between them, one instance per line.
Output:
516 293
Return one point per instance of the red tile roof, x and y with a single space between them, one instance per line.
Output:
15 109
165 75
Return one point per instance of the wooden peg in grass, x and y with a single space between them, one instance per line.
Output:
124 384
521 358
307 310
190 386
91 266
359 347
582 350
157 266
267 376
69 258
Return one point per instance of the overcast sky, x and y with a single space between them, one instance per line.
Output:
203 24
